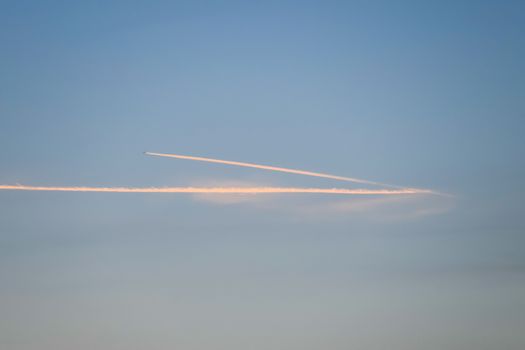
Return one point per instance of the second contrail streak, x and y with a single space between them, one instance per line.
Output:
273 168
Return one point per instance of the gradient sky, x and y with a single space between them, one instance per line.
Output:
416 93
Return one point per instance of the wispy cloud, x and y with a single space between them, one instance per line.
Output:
389 208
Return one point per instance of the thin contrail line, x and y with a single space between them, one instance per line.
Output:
284 170
212 190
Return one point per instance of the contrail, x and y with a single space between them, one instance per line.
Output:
211 190
284 170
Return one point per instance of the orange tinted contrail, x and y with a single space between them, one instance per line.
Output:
212 190
284 170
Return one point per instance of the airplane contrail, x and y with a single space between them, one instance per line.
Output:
215 190
284 170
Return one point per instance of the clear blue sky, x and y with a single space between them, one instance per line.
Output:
417 93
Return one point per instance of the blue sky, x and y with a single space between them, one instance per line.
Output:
424 94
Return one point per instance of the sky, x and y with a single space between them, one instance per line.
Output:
419 94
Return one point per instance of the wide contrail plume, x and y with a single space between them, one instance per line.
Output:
212 190
284 170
